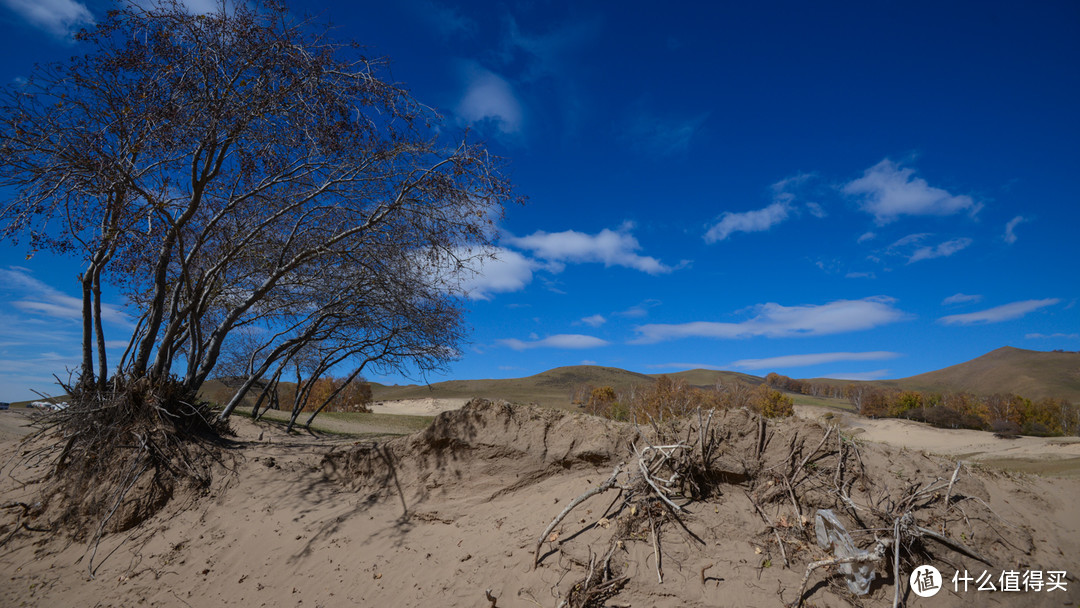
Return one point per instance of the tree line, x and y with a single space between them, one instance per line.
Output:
670 398
1001 412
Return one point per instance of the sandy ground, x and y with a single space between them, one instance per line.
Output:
1056 456
446 516
417 407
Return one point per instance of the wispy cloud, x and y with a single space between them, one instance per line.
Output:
785 205
609 247
874 375
1006 312
787 361
888 191
641 309
563 341
60 18
546 53
38 298
961 298
941 250
860 275
758 220
1010 229
1052 336
447 20
685 366
594 320
662 135
777 321
489 99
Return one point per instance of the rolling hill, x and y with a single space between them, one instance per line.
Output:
1032 374
1029 373
551 388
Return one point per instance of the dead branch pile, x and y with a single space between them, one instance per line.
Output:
789 471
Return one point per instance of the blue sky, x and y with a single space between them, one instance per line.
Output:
861 190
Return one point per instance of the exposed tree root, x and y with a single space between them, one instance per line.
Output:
677 464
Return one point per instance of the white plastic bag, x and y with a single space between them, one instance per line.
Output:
831 535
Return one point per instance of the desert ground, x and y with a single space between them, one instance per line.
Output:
451 516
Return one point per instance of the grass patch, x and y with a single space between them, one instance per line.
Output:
837 404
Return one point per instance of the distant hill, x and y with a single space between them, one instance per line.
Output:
1028 373
551 388
1032 374
707 378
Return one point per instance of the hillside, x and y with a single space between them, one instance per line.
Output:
708 378
551 388
1029 373
1032 374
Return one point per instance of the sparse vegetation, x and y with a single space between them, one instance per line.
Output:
998 412
252 187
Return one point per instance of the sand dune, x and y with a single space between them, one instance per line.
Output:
444 516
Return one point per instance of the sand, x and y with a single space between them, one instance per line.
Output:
417 407
1057 456
447 515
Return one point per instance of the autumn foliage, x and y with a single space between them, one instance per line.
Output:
671 398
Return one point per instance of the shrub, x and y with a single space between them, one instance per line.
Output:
771 403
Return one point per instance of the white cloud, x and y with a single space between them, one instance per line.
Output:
874 375
816 210
1052 336
639 310
812 359
910 239
961 298
860 275
58 17
35 297
888 191
758 220
685 366
594 320
587 362
610 247
490 98
564 341
1006 312
1010 229
777 321
508 271
941 250
866 236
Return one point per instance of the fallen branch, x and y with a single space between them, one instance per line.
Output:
603 487
952 544
656 547
772 526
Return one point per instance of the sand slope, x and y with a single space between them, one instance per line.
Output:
441 516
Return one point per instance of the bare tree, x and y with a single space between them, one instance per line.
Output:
241 170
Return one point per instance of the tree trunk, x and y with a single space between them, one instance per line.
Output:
103 364
87 376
